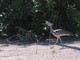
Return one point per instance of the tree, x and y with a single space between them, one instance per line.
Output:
32 14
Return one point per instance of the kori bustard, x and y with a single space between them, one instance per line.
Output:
58 33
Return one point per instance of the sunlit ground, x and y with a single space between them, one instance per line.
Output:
71 51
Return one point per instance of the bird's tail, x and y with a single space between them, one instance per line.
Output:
70 34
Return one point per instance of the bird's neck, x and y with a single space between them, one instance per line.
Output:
51 29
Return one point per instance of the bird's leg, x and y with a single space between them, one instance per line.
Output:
55 43
37 41
50 39
61 42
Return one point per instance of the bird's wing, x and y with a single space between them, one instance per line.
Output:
62 32
57 30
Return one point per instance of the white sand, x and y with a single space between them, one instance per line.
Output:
15 52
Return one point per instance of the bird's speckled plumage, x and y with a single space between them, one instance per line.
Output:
58 32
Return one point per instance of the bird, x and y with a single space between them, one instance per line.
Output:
58 33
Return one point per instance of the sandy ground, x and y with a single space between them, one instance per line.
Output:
71 51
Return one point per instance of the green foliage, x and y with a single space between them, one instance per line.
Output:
31 14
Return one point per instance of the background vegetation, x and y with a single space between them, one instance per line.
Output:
32 14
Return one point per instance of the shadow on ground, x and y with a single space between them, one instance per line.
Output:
14 41
66 41
45 42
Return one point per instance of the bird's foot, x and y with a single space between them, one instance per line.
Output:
52 47
62 47
54 52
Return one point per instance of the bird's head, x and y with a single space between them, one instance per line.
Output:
47 25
